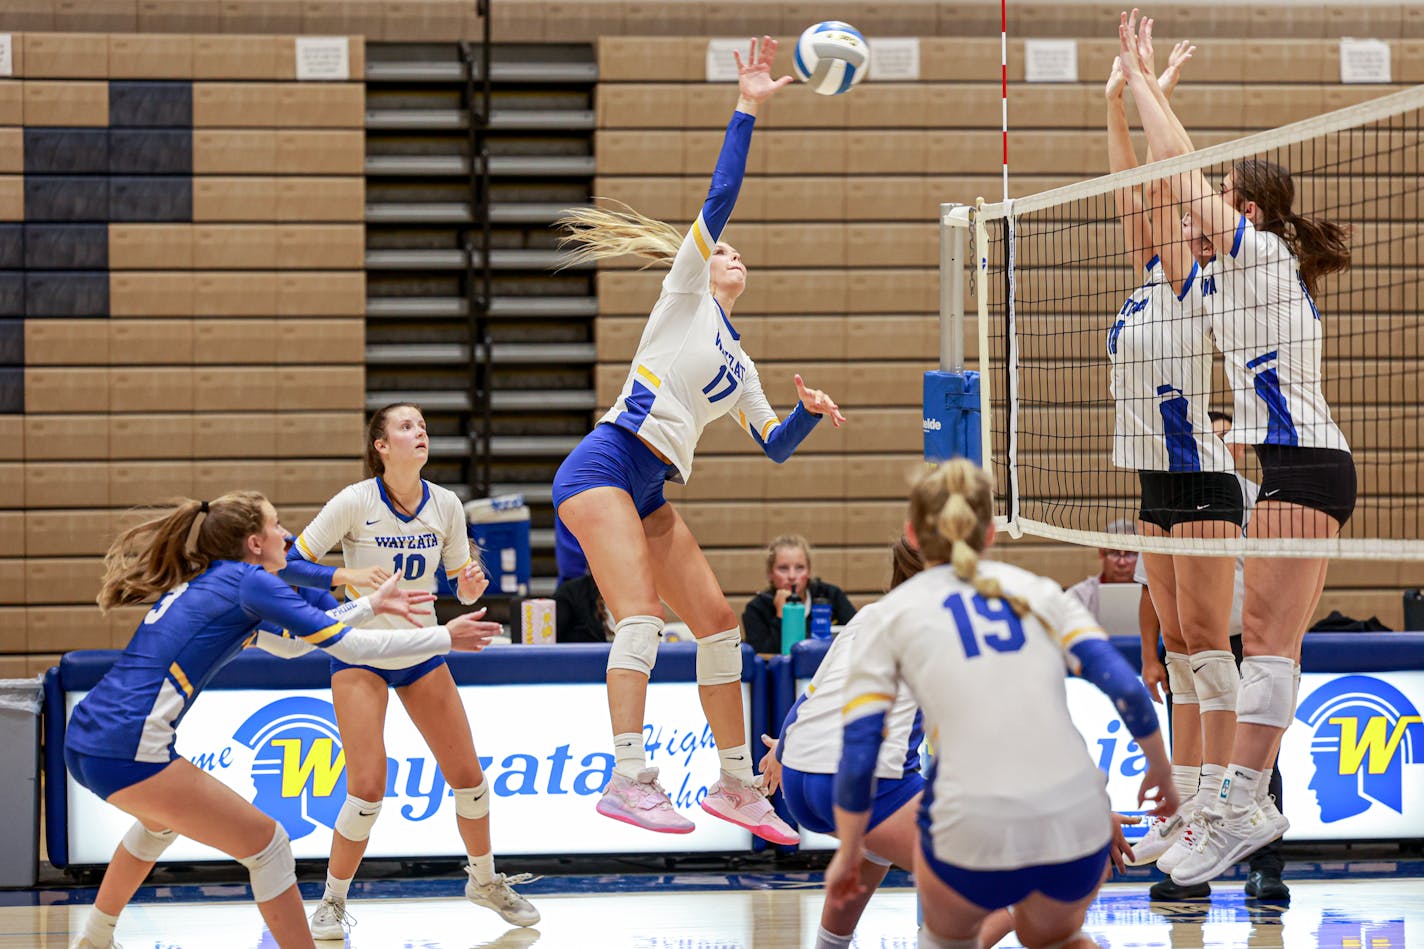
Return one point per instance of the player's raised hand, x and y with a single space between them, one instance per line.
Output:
754 81
391 600
1116 82
818 403
473 582
470 633
1181 54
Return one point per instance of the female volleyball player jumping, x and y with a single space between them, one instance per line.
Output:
1160 347
1018 806
397 521
120 739
1268 328
689 369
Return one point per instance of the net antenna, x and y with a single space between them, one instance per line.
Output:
1051 273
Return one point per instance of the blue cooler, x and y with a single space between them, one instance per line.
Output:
500 528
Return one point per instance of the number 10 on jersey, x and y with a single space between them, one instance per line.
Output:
414 565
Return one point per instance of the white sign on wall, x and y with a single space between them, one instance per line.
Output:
1051 60
1364 60
895 59
1352 762
7 56
323 58
721 64
545 750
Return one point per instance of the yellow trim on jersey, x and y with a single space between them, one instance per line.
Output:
648 376
866 699
451 573
742 419
322 635
702 248
306 551
766 429
177 672
352 593
1072 636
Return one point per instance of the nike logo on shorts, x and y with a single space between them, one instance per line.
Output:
1266 494
1203 507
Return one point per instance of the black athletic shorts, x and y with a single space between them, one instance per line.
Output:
1318 478
1176 497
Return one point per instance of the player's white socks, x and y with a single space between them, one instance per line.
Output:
1238 791
335 889
99 927
1211 775
628 755
829 940
1186 779
738 761
482 868
1264 790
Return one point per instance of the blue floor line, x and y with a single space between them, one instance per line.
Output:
451 885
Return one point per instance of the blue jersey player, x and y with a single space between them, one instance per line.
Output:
214 592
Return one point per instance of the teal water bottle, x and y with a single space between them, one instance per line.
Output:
793 624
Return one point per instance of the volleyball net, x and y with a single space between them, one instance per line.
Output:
1054 279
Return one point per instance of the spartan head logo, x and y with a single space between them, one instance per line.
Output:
298 766
1366 731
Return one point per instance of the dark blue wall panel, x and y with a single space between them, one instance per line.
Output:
66 198
66 294
66 246
151 199
12 391
151 151
64 151
12 342
12 293
150 104
12 246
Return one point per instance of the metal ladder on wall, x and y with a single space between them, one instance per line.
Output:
465 312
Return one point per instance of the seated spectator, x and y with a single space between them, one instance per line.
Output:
580 615
788 574
1117 567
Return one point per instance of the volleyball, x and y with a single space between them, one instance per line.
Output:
831 57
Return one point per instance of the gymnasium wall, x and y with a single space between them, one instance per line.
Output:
181 301
836 221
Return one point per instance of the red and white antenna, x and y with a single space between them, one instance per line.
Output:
1004 84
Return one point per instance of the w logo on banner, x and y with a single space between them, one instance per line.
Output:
298 767
1365 732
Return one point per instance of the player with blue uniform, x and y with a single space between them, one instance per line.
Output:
1017 815
690 368
119 742
1161 348
1264 279
397 522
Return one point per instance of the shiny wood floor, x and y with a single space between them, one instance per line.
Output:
1369 914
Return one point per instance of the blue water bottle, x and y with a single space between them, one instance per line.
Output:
793 624
820 618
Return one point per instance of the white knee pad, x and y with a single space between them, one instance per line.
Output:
473 803
929 940
719 658
1179 679
357 817
272 869
1217 681
635 644
1267 691
145 844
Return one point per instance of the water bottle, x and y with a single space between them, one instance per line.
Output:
793 624
820 618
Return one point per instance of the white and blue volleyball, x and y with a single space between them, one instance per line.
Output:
831 57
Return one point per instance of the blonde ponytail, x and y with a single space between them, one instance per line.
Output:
951 507
598 233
